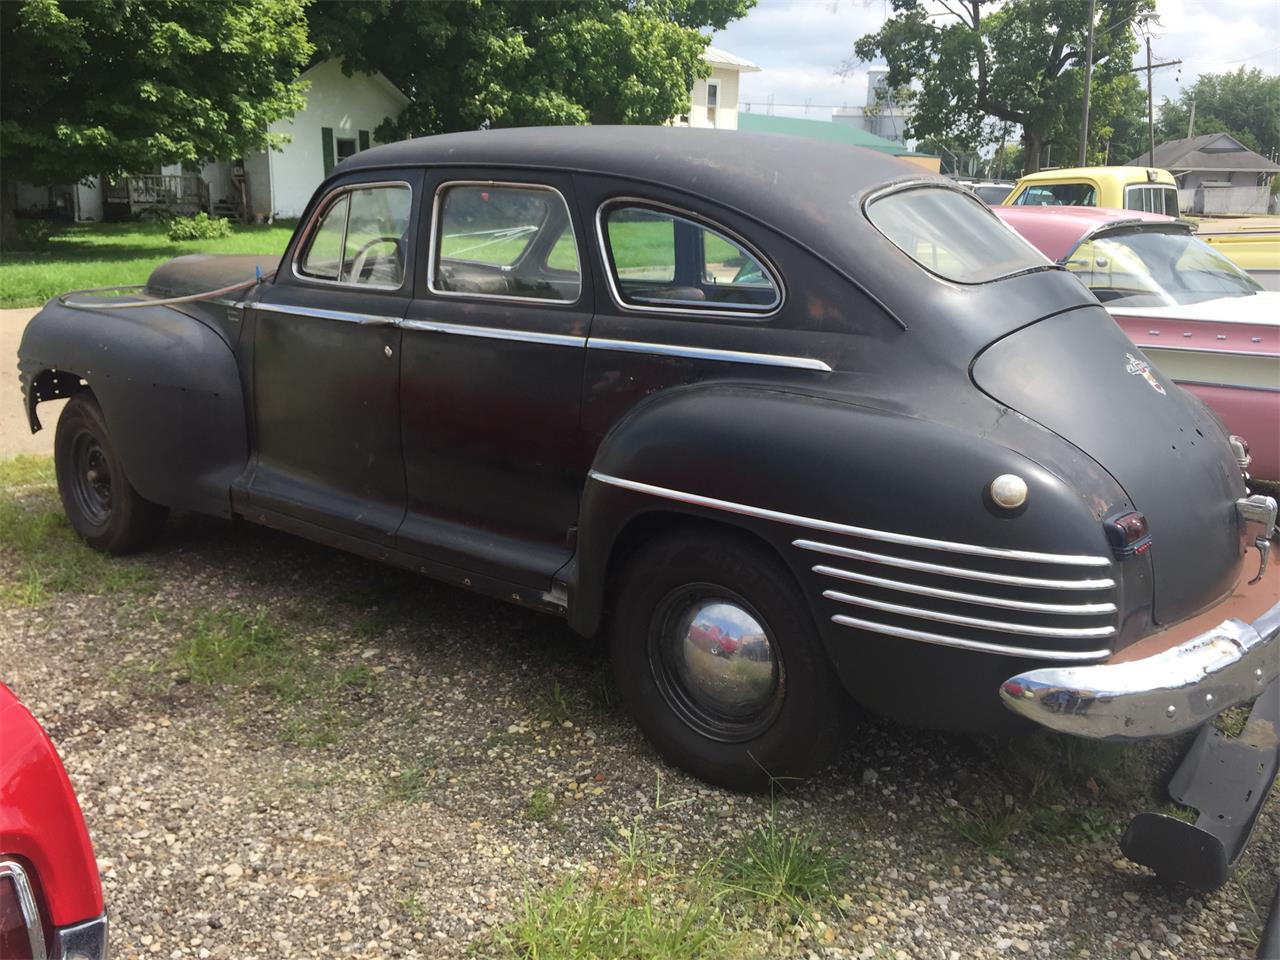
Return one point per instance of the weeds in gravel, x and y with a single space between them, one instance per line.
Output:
541 806
621 918
782 869
554 705
411 782
45 557
989 822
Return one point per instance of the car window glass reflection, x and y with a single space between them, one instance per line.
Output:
505 241
659 258
362 238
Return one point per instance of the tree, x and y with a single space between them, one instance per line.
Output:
469 64
1017 61
1245 104
118 86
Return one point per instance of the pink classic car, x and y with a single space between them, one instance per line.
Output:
1200 319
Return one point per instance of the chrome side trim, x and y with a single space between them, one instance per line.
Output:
364 319
437 225
698 221
83 941
847 530
999 626
964 573
1080 609
27 904
494 333
707 353
961 643
1175 690
330 198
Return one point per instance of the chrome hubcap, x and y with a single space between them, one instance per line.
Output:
716 662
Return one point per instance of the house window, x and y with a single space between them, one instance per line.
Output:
713 100
361 238
346 148
660 260
505 241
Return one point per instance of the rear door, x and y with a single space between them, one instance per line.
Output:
326 364
493 349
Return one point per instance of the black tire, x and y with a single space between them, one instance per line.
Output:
104 509
670 582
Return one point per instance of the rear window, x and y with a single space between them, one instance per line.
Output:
1152 199
952 234
1058 195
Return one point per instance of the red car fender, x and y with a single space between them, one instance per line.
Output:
40 818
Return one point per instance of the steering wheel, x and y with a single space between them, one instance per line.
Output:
361 255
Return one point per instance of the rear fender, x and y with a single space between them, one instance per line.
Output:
168 386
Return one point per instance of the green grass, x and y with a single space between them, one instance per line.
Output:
42 554
83 255
781 869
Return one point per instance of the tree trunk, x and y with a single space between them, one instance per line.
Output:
1032 144
8 213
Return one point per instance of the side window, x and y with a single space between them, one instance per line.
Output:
658 259
361 238
504 241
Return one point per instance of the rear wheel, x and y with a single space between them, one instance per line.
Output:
104 509
718 659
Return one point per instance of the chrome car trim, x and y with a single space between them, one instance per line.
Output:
437 226
978 646
364 319
494 333
1169 692
698 221
83 941
1082 609
848 530
322 208
27 904
708 353
999 626
963 572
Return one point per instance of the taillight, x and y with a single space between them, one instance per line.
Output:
21 932
1127 534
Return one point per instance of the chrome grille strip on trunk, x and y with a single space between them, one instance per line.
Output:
961 643
965 573
1077 609
998 626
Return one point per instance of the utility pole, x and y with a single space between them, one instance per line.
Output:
1191 123
1151 122
1088 74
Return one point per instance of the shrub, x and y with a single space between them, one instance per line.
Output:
200 227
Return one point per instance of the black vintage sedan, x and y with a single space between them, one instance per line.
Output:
790 426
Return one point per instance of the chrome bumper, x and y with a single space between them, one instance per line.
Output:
1163 694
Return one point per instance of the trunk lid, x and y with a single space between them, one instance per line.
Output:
1077 374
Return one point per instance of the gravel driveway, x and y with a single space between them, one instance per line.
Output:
284 751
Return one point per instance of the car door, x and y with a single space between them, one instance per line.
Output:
491 380
326 364
684 297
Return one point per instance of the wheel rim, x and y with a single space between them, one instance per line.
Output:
716 662
90 479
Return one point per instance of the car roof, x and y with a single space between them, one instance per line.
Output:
1056 231
809 192
1126 174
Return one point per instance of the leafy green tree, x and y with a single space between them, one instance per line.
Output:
468 64
1245 104
1017 61
117 86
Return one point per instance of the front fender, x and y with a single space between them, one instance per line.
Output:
168 385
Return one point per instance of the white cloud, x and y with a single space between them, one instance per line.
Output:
800 44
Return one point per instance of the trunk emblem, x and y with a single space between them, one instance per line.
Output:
1140 368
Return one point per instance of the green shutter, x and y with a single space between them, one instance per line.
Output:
326 136
364 139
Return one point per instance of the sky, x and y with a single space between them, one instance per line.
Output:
800 44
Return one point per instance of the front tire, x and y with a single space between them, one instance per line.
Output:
104 509
719 662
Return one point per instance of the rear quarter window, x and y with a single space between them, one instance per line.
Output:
952 234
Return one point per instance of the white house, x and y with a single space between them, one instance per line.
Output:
715 98
1216 174
338 121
